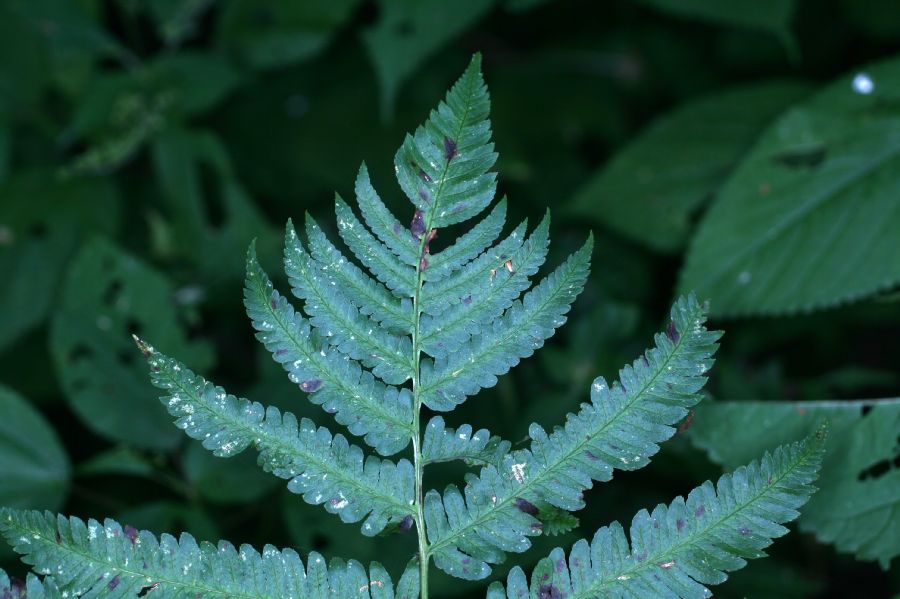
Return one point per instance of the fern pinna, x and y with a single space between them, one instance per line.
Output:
404 328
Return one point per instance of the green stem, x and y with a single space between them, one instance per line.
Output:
424 554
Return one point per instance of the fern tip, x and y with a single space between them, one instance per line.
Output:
142 345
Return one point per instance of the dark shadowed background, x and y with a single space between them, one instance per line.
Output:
749 151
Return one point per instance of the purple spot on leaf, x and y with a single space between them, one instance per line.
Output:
744 530
281 351
113 583
700 511
311 385
424 176
526 506
467 300
449 149
417 227
679 524
274 304
398 228
672 332
406 523
424 195
131 533
548 591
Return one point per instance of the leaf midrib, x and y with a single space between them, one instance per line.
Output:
288 449
98 564
698 535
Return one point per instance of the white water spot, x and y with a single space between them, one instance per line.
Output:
744 277
863 84
518 472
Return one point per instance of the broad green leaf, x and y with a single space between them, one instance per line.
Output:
107 296
858 506
41 221
94 559
409 32
212 224
680 549
808 218
653 188
34 463
122 111
280 32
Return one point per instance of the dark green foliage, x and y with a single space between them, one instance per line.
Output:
742 152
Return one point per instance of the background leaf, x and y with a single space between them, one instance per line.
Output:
653 188
33 461
108 296
806 219
858 505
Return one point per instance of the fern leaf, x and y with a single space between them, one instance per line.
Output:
325 469
442 444
516 335
339 321
468 246
445 334
444 166
382 414
370 296
380 260
385 225
32 588
621 428
109 560
680 549
437 296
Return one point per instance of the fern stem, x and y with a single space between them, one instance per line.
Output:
418 462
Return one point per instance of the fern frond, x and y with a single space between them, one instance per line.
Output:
442 444
380 413
445 334
621 428
324 469
521 330
444 166
469 246
400 278
370 296
680 549
437 296
339 322
111 561
32 588
384 224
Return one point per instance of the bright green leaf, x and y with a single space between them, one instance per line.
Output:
808 219
652 189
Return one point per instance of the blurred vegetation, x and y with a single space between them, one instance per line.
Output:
747 150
